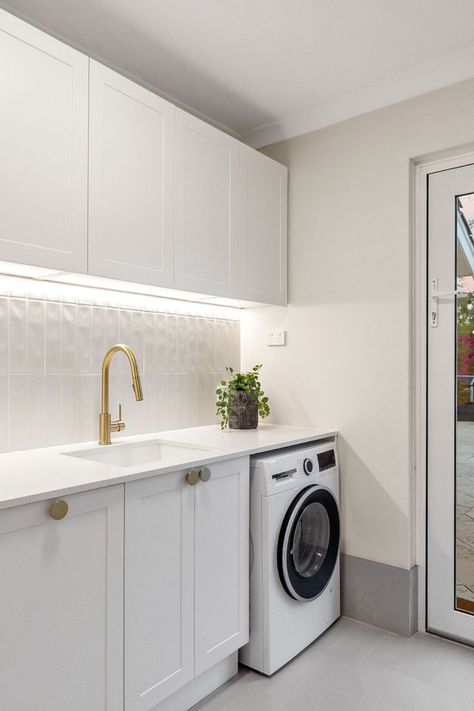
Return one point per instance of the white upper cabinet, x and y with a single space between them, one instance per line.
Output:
100 175
61 611
131 156
43 149
206 204
263 232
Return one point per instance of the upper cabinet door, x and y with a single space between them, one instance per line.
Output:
221 539
43 149
206 197
130 180
263 234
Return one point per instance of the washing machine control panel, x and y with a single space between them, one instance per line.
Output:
296 466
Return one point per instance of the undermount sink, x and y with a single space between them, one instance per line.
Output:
132 454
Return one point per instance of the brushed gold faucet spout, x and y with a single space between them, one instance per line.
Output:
106 425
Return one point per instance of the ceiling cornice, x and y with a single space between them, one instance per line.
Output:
429 77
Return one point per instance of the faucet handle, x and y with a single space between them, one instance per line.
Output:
118 425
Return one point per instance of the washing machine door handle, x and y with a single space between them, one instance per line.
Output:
308 544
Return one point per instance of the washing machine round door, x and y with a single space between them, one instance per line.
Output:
308 544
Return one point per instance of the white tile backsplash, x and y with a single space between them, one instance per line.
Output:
52 342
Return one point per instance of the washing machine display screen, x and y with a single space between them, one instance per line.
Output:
311 539
326 460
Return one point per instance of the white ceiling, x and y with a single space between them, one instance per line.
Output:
270 69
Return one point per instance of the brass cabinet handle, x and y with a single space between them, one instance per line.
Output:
192 477
205 474
59 509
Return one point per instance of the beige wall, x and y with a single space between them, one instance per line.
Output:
348 359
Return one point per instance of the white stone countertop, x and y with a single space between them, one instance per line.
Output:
38 474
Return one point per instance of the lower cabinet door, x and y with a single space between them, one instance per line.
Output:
159 595
61 613
221 533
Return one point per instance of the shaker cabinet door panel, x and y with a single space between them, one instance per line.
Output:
221 562
159 596
206 197
131 180
263 234
43 149
61 613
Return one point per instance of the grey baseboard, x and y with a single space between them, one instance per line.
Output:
380 595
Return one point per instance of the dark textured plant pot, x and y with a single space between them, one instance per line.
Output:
243 412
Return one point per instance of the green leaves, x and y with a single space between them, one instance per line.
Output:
244 382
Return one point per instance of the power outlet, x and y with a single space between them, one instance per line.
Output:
276 338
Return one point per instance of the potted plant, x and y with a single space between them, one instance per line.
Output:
240 400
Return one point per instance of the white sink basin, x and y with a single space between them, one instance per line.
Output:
132 454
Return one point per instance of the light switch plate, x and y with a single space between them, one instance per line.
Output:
276 338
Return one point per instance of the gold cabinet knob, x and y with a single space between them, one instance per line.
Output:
192 477
205 474
59 509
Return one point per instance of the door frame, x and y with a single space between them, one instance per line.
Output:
420 169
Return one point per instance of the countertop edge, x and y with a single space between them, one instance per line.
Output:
122 478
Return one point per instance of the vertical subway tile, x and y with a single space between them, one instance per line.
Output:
52 410
35 420
17 337
68 408
112 328
211 344
160 343
201 363
17 411
191 344
68 337
52 334
3 413
181 351
35 337
136 337
171 332
3 335
84 340
84 426
98 338
149 365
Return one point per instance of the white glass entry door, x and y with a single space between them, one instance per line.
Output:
450 446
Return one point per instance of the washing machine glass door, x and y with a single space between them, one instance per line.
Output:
308 544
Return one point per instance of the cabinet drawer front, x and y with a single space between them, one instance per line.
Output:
221 534
61 613
131 156
43 149
159 638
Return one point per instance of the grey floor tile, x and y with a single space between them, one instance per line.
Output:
353 636
428 658
331 679
355 667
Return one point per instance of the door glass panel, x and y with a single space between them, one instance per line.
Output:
464 495
311 540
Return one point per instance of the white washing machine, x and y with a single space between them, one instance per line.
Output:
294 552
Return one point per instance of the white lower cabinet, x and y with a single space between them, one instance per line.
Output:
186 579
99 615
61 611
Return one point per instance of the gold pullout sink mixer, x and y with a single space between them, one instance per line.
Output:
106 424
